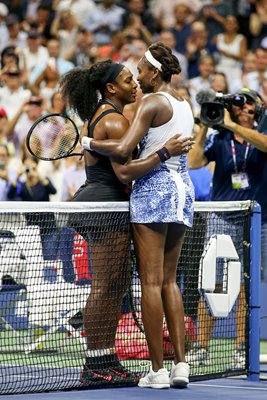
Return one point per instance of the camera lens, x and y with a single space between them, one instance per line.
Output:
27 170
212 113
239 100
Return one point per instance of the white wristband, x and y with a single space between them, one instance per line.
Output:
86 142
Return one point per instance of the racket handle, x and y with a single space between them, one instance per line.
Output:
86 143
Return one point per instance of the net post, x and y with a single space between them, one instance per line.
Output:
254 298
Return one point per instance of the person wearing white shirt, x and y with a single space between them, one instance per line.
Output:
203 81
3 27
104 20
12 94
256 78
35 53
73 178
62 66
7 175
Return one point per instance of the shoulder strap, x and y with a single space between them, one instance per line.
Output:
92 127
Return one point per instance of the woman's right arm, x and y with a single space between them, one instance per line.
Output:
122 148
134 169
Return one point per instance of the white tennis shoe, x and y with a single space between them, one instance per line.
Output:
155 380
179 376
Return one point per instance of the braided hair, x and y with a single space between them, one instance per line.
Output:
169 62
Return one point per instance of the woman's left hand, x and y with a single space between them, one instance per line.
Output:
177 146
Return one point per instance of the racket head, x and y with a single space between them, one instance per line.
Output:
53 136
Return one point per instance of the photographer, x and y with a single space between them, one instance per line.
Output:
31 186
238 170
259 141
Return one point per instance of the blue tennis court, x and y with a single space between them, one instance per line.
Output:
233 388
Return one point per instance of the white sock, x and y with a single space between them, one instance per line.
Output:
101 352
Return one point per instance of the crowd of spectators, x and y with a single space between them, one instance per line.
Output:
219 45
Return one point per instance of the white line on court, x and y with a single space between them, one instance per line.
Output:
228 387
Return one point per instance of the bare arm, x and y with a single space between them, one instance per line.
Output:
124 147
134 169
250 135
196 157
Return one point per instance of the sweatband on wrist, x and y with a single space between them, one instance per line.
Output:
163 154
86 143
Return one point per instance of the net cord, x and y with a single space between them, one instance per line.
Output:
15 206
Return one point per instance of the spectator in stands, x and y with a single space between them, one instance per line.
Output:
182 27
45 16
137 8
104 20
34 187
84 52
237 166
137 49
163 11
4 137
7 174
73 177
256 78
242 10
46 84
9 57
219 82
21 122
213 15
16 36
133 27
31 185
3 28
28 11
248 65
206 67
65 27
13 94
258 23
55 61
232 48
82 9
198 45
34 53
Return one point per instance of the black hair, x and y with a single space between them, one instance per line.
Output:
80 87
9 51
170 63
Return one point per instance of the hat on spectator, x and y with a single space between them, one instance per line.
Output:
12 19
251 94
33 34
3 10
3 113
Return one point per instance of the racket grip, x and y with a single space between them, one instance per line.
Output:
86 143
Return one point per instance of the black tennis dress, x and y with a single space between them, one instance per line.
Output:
101 185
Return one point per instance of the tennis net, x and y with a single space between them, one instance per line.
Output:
65 263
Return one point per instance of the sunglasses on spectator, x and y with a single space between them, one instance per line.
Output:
13 73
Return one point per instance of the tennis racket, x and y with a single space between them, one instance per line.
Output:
52 137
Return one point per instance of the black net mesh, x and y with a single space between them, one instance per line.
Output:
69 282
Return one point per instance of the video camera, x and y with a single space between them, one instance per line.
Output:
213 105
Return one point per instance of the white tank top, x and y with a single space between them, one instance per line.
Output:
182 121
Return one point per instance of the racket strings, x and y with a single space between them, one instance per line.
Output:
53 137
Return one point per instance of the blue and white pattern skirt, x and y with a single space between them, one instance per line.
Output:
163 195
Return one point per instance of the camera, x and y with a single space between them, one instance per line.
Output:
27 170
213 105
